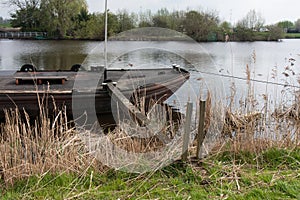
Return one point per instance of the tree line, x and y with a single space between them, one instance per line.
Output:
290 27
71 19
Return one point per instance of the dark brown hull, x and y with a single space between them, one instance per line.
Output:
156 84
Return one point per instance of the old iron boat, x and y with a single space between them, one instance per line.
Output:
30 89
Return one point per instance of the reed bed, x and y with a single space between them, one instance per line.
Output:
253 128
35 148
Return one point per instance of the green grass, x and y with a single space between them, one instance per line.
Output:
273 174
5 25
261 36
292 35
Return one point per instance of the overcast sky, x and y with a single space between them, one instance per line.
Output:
230 10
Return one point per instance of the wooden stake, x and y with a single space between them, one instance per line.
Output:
201 133
187 131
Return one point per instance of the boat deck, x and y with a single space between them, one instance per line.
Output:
64 81
34 82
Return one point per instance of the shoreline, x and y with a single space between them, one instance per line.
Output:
149 39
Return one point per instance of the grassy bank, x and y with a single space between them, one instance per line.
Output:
56 165
273 174
5 26
292 35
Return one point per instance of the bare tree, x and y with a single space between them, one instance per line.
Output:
22 4
253 20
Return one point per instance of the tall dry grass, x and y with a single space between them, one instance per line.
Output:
36 147
52 144
249 127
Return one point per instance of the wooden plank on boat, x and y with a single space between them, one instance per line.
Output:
117 95
39 79
36 91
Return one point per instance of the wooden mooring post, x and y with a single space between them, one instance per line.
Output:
187 131
201 132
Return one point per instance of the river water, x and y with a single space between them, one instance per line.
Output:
218 64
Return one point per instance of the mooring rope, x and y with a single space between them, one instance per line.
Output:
251 79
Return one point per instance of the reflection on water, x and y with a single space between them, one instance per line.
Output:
148 59
43 54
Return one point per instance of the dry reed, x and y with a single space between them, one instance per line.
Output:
249 128
39 147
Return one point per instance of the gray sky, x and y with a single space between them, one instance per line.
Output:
231 10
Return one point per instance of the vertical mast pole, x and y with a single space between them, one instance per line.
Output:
105 36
